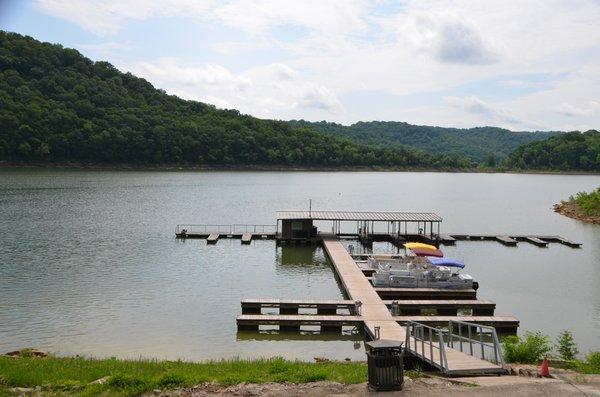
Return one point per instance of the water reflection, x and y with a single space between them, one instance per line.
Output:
301 256
273 335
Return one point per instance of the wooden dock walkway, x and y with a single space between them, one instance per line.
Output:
537 241
335 322
423 293
373 311
378 321
506 240
510 240
271 232
331 307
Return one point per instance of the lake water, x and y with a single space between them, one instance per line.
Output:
89 264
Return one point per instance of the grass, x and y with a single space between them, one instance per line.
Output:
133 377
415 373
591 364
527 350
534 345
589 203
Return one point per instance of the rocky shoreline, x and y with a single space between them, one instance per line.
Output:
573 211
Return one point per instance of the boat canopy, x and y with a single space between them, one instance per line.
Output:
446 262
427 252
410 246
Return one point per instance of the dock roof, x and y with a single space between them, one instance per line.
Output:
385 216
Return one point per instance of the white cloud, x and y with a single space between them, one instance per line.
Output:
417 47
446 37
476 106
106 17
168 71
106 49
268 91
318 97
566 109
282 72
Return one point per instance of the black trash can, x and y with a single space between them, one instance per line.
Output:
385 361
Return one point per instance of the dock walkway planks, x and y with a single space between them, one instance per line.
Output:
423 293
505 322
536 241
212 239
376 314
406 307
506 240
509 322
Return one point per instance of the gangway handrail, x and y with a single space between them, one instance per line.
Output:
254 228
421 341
225 229
416 331
477 339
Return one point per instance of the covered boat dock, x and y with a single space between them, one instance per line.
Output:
367 226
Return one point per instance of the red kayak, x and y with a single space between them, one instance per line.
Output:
427 252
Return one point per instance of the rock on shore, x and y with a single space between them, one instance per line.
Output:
572 210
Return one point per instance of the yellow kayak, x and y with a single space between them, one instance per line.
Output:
420 245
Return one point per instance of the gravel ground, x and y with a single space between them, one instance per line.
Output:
564 383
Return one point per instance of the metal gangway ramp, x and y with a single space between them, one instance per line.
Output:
463 349
379 322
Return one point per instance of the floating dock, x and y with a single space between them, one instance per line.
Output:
380 324
374 315
334 307
366 237
212 233
334 323
406 315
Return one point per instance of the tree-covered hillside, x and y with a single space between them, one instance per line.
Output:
573 151
56 105
478 144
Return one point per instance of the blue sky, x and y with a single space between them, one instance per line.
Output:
523 65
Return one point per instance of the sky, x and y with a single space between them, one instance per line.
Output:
522 65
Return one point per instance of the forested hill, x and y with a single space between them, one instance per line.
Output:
476 143
568 152
56 105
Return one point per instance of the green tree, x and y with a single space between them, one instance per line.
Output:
566 346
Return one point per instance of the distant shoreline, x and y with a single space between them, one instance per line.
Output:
262 167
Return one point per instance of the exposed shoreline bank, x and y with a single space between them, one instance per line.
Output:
48 375
573 211
267 168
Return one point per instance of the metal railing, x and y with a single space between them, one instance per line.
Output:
424 340
225 229
430 343
477 340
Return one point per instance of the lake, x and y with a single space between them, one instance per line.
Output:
89 264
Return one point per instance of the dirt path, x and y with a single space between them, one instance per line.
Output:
565 384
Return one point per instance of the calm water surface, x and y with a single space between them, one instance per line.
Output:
89 263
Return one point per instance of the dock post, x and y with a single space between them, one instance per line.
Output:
447 311
326 311
248 327
289 328
288 310
250 309
482 312
331 328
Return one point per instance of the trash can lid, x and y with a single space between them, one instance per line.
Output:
384 344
